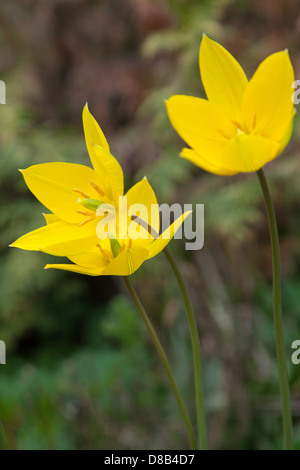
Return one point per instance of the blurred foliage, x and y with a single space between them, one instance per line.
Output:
81 372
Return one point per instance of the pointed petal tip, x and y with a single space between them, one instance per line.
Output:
21 171
206 39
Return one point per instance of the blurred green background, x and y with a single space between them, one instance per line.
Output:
81 372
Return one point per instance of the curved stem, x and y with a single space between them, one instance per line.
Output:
196 351
278 323
165 363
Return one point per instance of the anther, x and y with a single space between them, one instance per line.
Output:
104 252
98 189
223 134
239 127
81 193
85 221
122 249
83 212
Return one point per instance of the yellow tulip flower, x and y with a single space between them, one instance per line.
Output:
243 124
80 197
119 257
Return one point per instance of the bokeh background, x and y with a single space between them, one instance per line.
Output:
81 372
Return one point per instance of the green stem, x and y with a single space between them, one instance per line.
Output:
196 351
278 323
165 363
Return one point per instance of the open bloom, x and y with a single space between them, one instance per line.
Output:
83 202
243 124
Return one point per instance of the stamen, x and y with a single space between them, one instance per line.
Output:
98 189
223 134
130 244
104 253
122 249
85 221
81 193
239 127
236 124
83 212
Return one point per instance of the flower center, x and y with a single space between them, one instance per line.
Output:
243 128
115 248
96 207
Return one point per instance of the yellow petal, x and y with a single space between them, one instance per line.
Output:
91 259
123 265
126 263
53 184
92 130
203 125
158 245
223 78
267 103
200 161
287 134
59 239
142 196
76 269
109 171
248 153
103 162
50 218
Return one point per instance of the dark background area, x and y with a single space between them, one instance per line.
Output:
81 372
